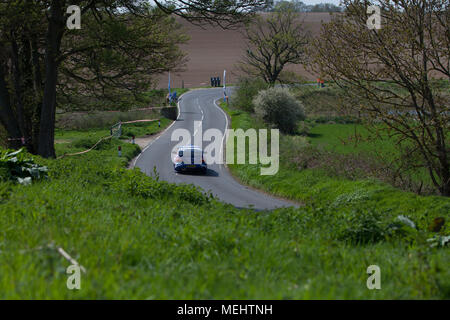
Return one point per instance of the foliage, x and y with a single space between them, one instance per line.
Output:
225 14
277 107
300 6
392 75
363 227
113 57
169 112
17 166
128 52
439 241
274 41
247 89
371 227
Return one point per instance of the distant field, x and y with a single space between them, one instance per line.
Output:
211 50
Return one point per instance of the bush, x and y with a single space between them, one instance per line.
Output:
170 112
277 107
17 166
363 228
247 89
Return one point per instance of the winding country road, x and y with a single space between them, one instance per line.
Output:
198 105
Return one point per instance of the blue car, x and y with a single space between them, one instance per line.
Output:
189 158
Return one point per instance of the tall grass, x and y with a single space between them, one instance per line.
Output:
140 238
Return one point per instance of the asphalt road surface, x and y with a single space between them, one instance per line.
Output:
198 105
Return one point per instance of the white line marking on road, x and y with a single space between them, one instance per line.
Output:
224 136
201 111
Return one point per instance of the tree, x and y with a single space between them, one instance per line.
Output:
227 14
247 89
397 75
300 6
124 43
115 60
324 7
274 42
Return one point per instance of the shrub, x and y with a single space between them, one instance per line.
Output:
247 89
290 77
278 107
170 112
17 166
363 227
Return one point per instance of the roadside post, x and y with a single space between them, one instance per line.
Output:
225 97
170 95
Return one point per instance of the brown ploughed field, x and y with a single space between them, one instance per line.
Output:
212 49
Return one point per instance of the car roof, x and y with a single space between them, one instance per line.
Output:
190 148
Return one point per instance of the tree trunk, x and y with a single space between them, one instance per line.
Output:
37 88
18 91
7 117
55 31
